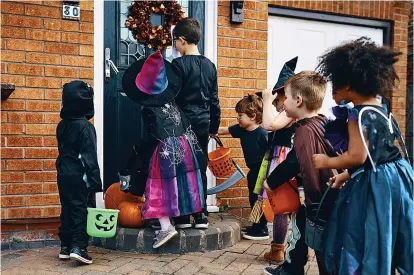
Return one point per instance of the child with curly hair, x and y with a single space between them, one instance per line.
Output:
370 230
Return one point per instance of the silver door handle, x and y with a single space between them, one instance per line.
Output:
109 64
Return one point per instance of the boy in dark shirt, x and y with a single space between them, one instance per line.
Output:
78 175
198 99
304 92
253 139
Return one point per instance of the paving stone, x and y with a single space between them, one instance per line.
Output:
139 272
194 258
127 268
173 266
235 266
219 271
189 269
256 249
239 247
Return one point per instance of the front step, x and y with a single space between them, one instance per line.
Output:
221 233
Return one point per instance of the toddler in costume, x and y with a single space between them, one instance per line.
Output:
174 185
370 231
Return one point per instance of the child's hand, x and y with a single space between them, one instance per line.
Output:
266 186
320 161
268 96
338 181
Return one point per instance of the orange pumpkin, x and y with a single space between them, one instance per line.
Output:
130 214
114 196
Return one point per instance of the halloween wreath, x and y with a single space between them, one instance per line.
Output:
139 22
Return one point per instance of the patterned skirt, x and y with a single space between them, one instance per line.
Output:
174 186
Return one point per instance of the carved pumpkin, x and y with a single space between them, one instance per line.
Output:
130 214
114 196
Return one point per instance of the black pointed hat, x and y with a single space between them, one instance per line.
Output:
287 71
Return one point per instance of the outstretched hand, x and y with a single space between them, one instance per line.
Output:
268 95
320 161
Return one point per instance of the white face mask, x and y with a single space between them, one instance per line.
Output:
174 52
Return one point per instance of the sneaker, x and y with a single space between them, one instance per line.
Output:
163 236
182 222
256 234
200 221
275 270
156 225
247 228
80 255
64 253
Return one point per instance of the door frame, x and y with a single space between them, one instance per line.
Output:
209 48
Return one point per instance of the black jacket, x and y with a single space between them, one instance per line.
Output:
198 98
76 136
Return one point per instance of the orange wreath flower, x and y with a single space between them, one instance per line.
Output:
139 22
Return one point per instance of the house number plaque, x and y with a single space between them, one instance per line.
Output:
71 10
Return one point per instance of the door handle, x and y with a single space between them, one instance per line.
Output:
109 64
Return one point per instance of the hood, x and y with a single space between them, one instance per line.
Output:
77 100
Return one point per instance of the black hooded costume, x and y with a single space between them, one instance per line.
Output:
78 174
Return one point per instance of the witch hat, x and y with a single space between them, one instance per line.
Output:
287 71
153 81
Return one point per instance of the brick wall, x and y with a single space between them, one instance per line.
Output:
40 52
410 49
242 61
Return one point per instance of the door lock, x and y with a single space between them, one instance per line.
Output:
109 64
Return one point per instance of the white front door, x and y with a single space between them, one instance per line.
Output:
307 39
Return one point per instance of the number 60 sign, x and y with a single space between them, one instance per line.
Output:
71 11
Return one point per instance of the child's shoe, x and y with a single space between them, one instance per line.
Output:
64 253
182 222
257 234
163 236
80 255
200 221
276 253
275 270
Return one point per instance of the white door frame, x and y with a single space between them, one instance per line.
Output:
210 48
98 81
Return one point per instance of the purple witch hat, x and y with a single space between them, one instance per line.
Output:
152 82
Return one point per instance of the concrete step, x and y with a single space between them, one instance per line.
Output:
221 233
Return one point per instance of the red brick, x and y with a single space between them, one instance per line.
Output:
7 177
40 176
229 72
243 63
59 25
86 50
12 32
12 8
53 94
6 227
87 27
14 213
41 153
52 3
12 129
12 56
12 201
42 200
61 71
43 82
43 58
223 62
257 74
78 61
49 164
52 212
12 104
230 52
49 142
41 129
41 224
43 11
24 21
25 117
24 165
87 16
62 48
86 73
24 188
23 141
3 68
255 35
27 93
52 118
242 44
261 64
235 211
25 69
17 80
11 153
79 38
87 5
229 32
44 35
43 106
254 54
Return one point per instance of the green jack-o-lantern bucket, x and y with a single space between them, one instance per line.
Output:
102 222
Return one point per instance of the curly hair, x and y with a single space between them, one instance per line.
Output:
365 67
251 105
